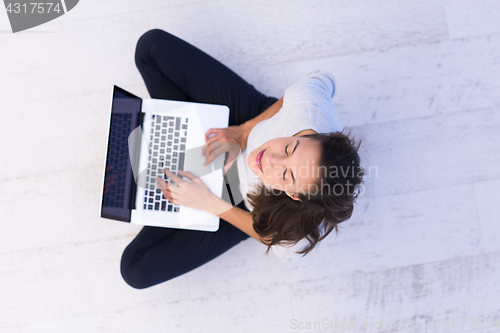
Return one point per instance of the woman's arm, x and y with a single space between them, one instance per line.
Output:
238 217
268 113
237 134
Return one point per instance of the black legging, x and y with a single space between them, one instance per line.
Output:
176 70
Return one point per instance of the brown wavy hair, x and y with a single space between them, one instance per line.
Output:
279 219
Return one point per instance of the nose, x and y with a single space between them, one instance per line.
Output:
274 160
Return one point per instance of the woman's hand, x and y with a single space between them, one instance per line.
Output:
232 139
194 194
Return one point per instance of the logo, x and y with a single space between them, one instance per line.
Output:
24 15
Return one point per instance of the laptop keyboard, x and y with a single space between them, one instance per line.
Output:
117 158
167 148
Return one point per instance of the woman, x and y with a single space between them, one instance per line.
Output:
300 183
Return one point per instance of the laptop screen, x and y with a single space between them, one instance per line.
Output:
119 184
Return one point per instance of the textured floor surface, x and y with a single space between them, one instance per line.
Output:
418 82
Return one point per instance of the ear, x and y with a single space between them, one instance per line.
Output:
293 196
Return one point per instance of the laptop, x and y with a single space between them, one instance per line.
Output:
147 135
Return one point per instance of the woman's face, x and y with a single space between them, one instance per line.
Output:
287 164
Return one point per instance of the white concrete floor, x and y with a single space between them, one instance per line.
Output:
418 82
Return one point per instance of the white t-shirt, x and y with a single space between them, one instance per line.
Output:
307 104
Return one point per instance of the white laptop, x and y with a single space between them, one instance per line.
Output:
147 135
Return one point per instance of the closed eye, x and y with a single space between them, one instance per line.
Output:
286 152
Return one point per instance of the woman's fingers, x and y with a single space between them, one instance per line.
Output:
189 176
206 149
164 188
219 135
176 179
211 131
214 151
162 184
231 157
208 140
210 147
168 195
222 147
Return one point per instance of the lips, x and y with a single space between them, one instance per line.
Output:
259 160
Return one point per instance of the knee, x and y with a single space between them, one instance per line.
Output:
150 35
148 39
130 272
